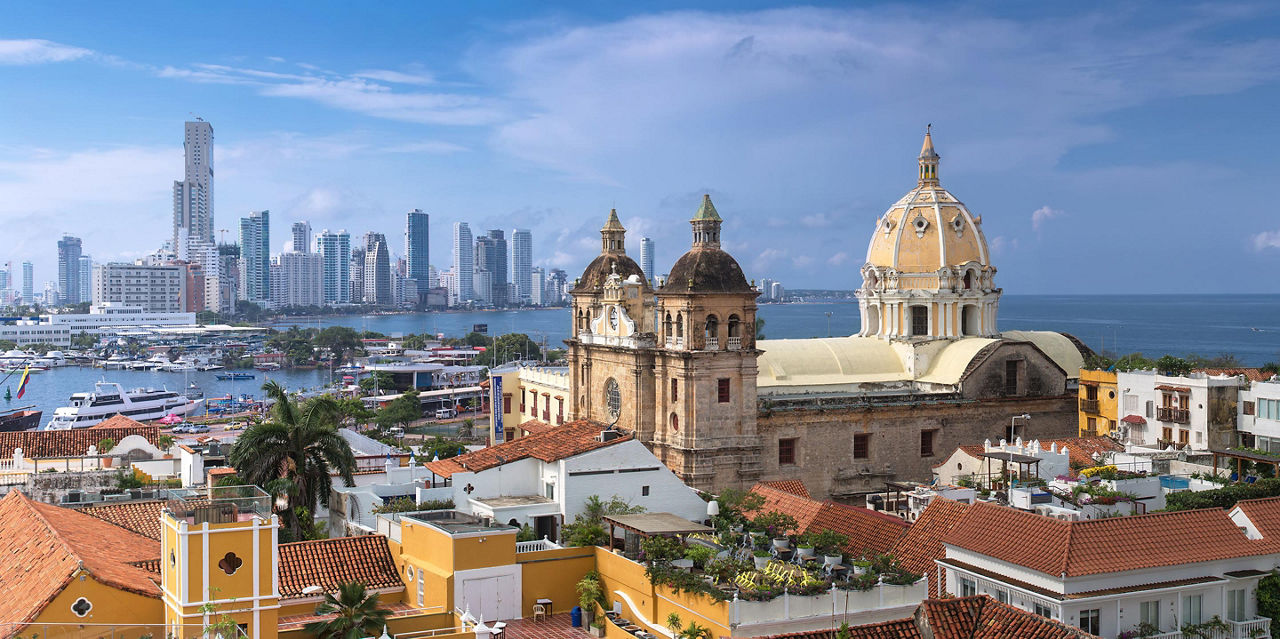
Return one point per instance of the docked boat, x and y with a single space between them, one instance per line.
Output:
20 419
194 391
110 398
234 376
268 366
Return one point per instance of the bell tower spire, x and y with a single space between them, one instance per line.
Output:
613 235
928 160
706 225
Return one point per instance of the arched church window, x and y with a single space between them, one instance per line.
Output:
675 390
612 397
968 280
675 422
713 326
679 326
666 325
735 326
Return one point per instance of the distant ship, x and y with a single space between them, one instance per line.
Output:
20 419
110 398
226 376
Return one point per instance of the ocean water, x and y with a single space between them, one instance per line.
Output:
1245 326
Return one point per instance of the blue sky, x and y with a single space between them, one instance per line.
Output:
1114 148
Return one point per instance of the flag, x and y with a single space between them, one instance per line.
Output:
22 383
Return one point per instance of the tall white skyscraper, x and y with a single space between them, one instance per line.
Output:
417 251
377 270
193 196
521 266
335 252
301 237
464 262
28 283
86 278
538 281
69 269
255 256
646 257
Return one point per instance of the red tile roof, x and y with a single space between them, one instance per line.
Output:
869 531
1252 374
1081 450
1265 514
574 438
1117 544
793 486
922 544
330 562
979 617
45 546
36 444
896 629
141 517
534 427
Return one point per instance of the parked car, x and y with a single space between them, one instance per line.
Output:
197 428
181 428
233 426
446 413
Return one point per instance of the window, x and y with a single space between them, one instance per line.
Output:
523 399
1002 596
1237 605
926 442
675 422
1192 609
506 402
786 451
1184 436
1091 392
722 390
422 590
861 446
1011 369
549 489
919 320
675 390
1043 610
533 408
1091 620
1166 434
1248 408
968 587
613 397
1149 612
644 491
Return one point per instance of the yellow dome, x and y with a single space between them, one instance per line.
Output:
927 230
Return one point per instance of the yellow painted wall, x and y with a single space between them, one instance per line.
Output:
554 575
497 549
395 625
1108 401
619 573
134 614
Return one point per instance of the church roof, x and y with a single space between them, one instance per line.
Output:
707 211
599 269
706 270
613 223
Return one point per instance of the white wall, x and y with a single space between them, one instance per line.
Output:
666 492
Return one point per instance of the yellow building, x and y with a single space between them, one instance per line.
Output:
1098 405
527 399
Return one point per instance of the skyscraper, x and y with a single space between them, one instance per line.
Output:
646 257
255 256
521 266
193 196
301 237
28 283
417 234
335 253
86 278
377 270
538 283
464 262
491 255
69 269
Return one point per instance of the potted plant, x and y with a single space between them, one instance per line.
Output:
805 548
830 544
860 566
698 555
762 559
775 525
597 628
590 592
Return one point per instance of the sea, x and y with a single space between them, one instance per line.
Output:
1245 326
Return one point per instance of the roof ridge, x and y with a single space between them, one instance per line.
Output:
29 504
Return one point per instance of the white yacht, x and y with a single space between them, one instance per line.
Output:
110 398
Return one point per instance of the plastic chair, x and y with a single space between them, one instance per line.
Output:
539 612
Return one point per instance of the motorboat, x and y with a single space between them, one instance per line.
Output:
20 419
110 398
234 376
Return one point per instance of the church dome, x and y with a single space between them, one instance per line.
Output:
927 230
706 268
612 259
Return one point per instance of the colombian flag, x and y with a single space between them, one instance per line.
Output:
22 383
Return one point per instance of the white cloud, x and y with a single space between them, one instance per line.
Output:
1266 240
397 77
20 52
838 259
817 220
427 146
1042 215
766 258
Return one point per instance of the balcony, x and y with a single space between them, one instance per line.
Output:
1175 415
713 343
675 342
1258 627
536 545
1089 406
735 343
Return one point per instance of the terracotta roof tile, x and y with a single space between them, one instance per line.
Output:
1252 374
534 427
982 617
896 629
53 543
574 438
1098 546
141 517
793 486
37 444
330 562
1265 514
922 544
869 531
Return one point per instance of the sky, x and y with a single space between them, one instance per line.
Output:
1109 147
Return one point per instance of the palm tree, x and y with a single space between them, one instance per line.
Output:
358 614
292 454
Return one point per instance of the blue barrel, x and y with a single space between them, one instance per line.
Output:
575 616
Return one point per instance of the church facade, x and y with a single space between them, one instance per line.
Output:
682 367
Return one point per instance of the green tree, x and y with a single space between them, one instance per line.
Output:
105 445
7 344
1268 594
293 453
440 447
340 341
508 347
400 411
209 317
377 380
587 528
1174 366
759 328
250 311
358 614
83 340
351 411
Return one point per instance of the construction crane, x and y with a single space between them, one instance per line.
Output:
223 238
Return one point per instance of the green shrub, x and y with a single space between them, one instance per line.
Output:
1224 497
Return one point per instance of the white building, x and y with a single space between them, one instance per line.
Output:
522 266
646 258
537 287
1197 411
464 263
297 279
156 289
27 332
1258 416
301 237
1107 576
255 257
110 315
193 196
335 253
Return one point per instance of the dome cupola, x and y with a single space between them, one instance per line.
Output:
706 268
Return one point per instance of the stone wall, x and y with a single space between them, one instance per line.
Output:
825 438
51 488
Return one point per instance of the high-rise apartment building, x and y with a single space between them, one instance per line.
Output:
335 254
297 279
301 237
193 196
86 278
491 255
646 258
557 287
255 255
417 252
538 284
228 277
464 263
522 283
377 270
155 289
69 269
28 283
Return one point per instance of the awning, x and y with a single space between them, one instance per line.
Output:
1134 419
1173 389
649 524
1015 458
